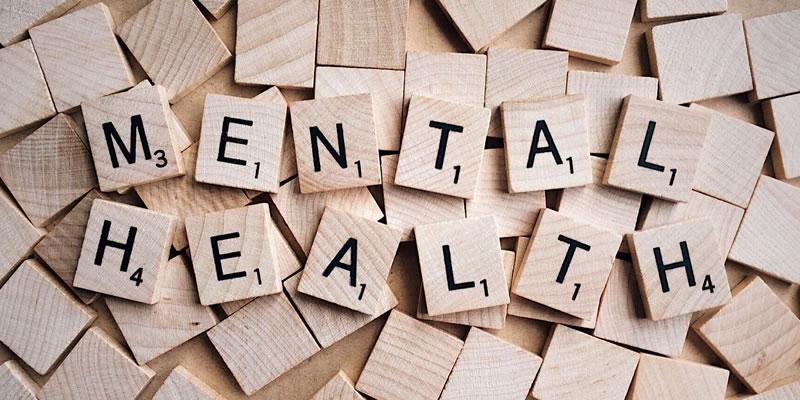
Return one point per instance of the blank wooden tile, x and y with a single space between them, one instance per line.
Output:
790 391
679 268
566 265
217 8
80 57
407 208
772 46
17 18
28 100
288 164
240 143
657 148
386 88
262 341
19 235
490 368
480 22
664 378
48 170
596 31
552 132
97 368
16 383
276 42
621 318
604 94
404 348
362 33
175 45
180 138
152 330
135 116
770 231
755 319
442 147
461 265
183 385
454 77
335 143
40 319
571 356
700 59
340 387
781 116
654 10
124 252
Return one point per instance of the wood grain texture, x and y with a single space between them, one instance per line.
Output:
664 378
20 236
404 349
571 356
772 43
419 165
781 116
288 164
700 59
16 17
454 77
40 319
180 138
80 57
655 10
217 8
491 368
97 368
183 385
520 74
677 136
175 45
592 30
621 318
785 392
481 22
604 94
29 99
769 231
362 33
563 118
276 42
384 85
152 330
16 384
755 319
262 341
340 387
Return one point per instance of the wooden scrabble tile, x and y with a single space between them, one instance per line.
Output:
244 237
461 265
725 217
521 74
781 116
152 330
182 384
596 31
657 148
19 235
262 341
350 261
604 94
690 250
655 10
362 33
217 8
480 22
180 138
386 88
323 160
700 59
80 57
16 18
124 252
404 348
491 368
48 170
16 383
130 138
664 378
454 77
755 319
97 367
276 42
432 127
621 317
340 387
790 391
772 46
240 143
770 231
553 132
329 322
288 163
39 319
572 356
302 212
178 28
407 208
566 265
28 100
